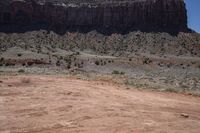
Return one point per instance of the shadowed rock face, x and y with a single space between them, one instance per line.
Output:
118 15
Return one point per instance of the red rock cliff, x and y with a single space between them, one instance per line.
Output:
162 15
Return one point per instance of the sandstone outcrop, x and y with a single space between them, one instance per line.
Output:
117 15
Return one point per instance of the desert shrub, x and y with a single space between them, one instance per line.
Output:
147 61
80 66
57 63
162 49
169 65
2 59
29 63
61 57
97 62
68 66
19 54
21 71
115 72
152 52
68 60
7 64
25 80
130 59
171 90
122 73
12 64
118 72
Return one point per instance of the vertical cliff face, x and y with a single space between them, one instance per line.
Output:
161 15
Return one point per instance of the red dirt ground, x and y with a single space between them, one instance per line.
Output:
50 104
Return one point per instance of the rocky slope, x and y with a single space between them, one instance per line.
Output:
159 44
107 16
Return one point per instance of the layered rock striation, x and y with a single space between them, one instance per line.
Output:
117 15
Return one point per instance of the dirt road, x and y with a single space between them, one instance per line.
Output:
50 104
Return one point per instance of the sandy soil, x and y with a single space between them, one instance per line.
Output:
49 104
